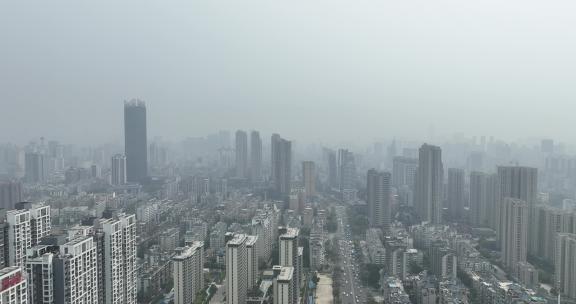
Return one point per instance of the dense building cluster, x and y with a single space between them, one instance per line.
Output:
233 218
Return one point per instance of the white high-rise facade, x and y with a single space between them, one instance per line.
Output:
514 232
120 259
289 256
40 220
521 183
236 269
118 174
252 260
565 264
378 199
19 236
283 284
188 272
75 272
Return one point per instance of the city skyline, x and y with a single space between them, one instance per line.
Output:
469 66
287 152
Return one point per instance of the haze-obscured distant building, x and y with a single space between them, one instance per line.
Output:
429 183
135 141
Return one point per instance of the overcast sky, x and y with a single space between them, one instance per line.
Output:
309 69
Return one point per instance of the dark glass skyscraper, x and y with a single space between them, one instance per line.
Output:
135 141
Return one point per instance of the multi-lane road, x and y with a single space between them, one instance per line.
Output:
352 290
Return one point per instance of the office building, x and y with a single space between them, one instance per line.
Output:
513 232
14 286
118 170
455 195
135 141
281 166
378 198
241 153
188 272
10 194
309 178
283 284
236 270
255 157
429 183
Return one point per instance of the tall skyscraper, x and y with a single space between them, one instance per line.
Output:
281 166
332 165
255 156
118 174
36 167
236 270
188 272
135 141
241 154
479 199
120 274
514 232
289 256
10 194
347 174
521 183
565 264
378 199
309 178
429 184
455 193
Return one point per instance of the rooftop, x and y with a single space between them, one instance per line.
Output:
286 274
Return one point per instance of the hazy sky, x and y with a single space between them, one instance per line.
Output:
309 69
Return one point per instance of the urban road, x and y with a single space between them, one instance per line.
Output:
352 290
